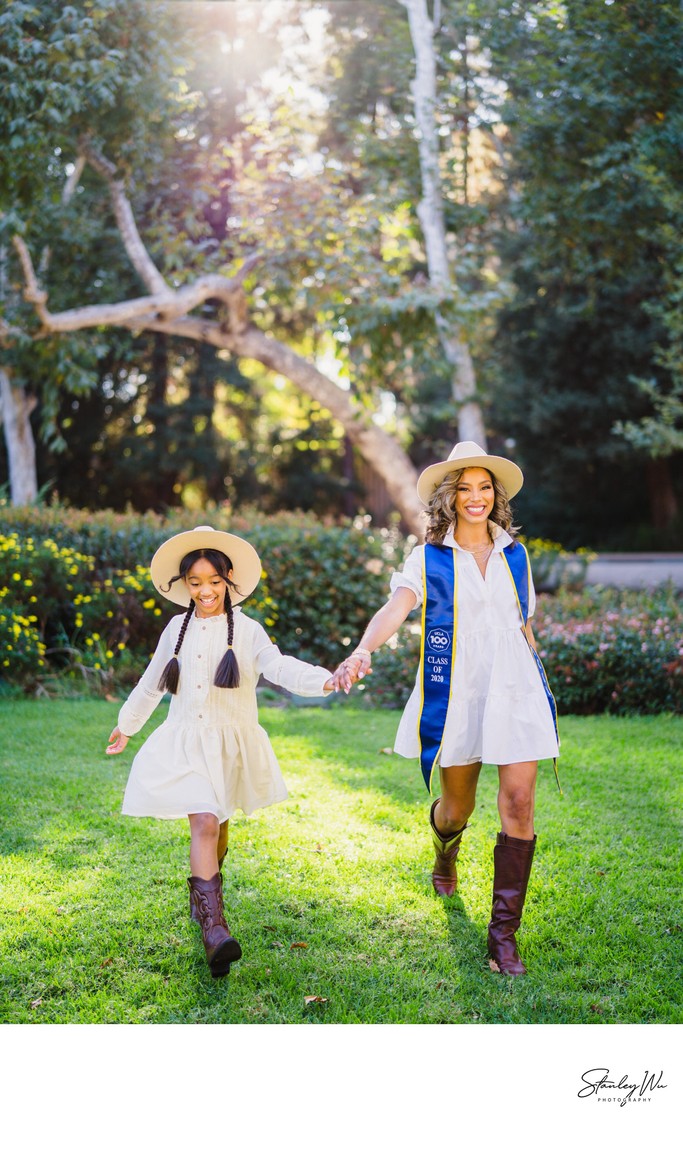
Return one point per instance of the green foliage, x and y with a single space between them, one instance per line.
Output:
594 150
614 651
22 652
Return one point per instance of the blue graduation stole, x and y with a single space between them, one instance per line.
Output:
439 632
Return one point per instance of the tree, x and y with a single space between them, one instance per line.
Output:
593 90
431 214
168 307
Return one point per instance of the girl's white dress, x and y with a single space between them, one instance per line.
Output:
498 710
210 754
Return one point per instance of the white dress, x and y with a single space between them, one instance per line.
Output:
210 754
498 710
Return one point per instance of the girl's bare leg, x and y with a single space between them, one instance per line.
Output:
222 845
204 832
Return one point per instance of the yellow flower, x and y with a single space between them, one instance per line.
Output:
149 603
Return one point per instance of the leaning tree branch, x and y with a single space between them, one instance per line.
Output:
137 252
168 310
165 306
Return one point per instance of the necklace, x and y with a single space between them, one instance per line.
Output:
479 549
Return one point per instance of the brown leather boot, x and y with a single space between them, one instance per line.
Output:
512 859
220 946
194 915
444 875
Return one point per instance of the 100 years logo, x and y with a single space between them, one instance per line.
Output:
438 639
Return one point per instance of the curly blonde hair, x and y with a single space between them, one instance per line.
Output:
441 509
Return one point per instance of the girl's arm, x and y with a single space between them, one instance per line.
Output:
381 627
146 695
294 675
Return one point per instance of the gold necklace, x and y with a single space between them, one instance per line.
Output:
486 549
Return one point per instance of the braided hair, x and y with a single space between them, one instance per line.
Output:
227 672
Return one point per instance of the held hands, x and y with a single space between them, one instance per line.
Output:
354 668
117 741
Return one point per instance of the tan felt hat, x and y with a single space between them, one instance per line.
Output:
246 565
468 454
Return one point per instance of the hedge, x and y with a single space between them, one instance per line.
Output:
78 604
77 608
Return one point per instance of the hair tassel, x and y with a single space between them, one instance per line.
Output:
228 672
170 677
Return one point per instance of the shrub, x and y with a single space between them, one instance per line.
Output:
85 578
611 650
77 603
22 652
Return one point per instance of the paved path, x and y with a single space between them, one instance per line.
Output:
643 569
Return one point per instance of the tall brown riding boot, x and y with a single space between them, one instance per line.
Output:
512 859
444 875
193 909
220 946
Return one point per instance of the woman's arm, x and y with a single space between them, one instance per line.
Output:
382 626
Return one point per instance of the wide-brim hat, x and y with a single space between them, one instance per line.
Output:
165 565
468 454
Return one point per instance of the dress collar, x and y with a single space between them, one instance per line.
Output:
501 539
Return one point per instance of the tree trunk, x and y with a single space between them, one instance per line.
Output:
663 501
21 449
431 216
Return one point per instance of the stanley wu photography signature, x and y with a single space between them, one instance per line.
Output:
598 1084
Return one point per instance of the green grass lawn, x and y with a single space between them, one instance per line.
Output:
330 893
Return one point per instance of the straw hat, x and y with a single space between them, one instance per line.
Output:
469 454
246 565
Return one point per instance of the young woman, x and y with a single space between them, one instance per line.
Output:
210 756
481 694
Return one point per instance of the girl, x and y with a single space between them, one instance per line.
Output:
481 694
210 756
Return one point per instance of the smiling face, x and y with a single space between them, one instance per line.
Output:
474 496
207 588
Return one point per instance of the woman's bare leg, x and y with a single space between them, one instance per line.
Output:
458 797
516 796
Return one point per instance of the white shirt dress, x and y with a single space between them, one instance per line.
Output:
498 710
210 754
